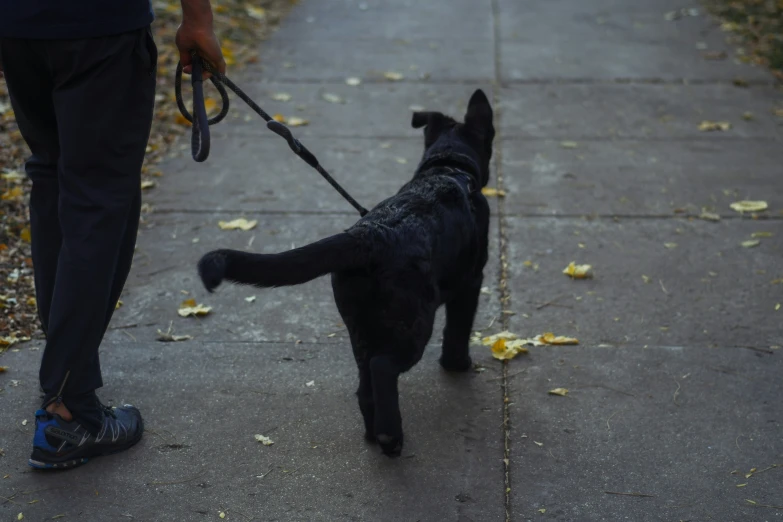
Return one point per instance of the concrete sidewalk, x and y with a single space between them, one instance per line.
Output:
675 387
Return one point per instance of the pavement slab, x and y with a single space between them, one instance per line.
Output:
204 402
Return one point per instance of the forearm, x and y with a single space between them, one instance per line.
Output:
197 13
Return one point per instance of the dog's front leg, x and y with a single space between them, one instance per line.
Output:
460 312
388 421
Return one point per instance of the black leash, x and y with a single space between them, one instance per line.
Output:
199 142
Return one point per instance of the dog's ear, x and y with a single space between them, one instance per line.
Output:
479 115
420 119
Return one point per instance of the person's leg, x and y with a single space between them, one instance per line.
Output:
103 98
30 85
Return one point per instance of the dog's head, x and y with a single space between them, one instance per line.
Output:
450 143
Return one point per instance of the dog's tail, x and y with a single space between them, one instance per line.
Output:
297 266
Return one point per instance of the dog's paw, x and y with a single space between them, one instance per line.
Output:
390 444
456 365
212 269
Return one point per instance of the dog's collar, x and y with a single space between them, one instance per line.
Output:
451 160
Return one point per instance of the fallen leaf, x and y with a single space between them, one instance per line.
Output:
24 235
777 307
569 144
282 97
222 515
542 511
190 308
310 383
751 243
266 441
241 224
778 112
353 81
278 118
505 350
670 245
761 234
645 278
20 516
746 500
118 304
332 98
259 13
550 338
575 271
3 369
491 192
168 337
401 161
24 422
12 194
715 55
296 121
747 116
538 443
393 76
709 216
742 485
14 176
749 206
250 299
559 391
709 126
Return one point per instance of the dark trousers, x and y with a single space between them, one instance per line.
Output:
84 107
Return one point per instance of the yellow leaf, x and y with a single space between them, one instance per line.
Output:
708 126
709 216
670 245
228 55
777 307
147 183
118 305
241 224
746 500
181 120
761 234
266 441
569 144
645 278
3 369
168 337
279 118
295 121
222 515
751 243
542 511
14 176
332 98
393 76
575 271
259 13
749 206
210 104
281 96
550 338
401 161
20 516
31 301
491 192
24 235
14 193
190 308
559 391
353 81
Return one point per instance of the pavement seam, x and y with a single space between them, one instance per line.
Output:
504 294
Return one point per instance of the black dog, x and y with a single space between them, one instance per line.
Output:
424 247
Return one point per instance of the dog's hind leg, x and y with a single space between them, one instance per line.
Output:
460 312
366 401
388 421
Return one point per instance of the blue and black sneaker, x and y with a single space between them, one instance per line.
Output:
60 444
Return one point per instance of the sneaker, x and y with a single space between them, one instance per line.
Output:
60 444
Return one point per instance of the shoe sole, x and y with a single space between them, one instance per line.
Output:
75 463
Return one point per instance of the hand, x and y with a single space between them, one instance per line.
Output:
196 34
204 42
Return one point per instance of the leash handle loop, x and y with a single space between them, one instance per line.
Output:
200 138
